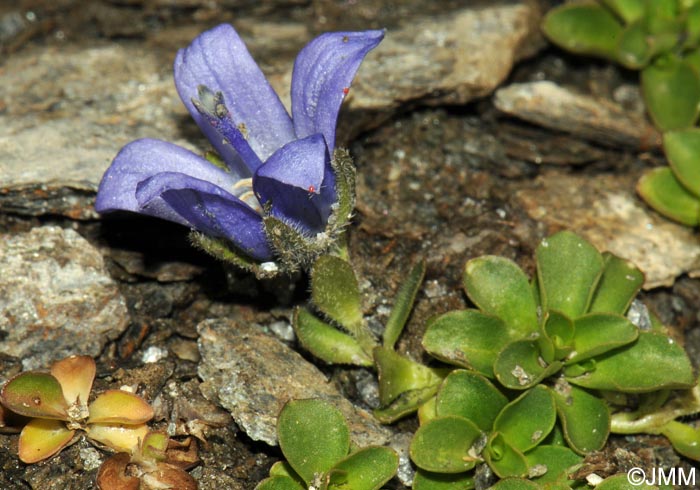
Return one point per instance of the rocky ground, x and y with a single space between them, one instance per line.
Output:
470 134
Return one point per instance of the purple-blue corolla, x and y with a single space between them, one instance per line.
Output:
276 165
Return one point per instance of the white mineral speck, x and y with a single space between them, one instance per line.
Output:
153 354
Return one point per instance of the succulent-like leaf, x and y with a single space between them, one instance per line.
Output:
398 374
619 284
685 439
75 374
671 90
585 418
528 419
682 149
403 304
154 446
584 28
557 460
120 437
520 366
327 342
34 394
313 436
627 10
368 469
558 336
500 288
504 459
279 483
466 338
425 480
408 402
622 482
633 49
515 484
627 369
282 468
335 292
597 333
443 445
660 188
692 26
42 438
119 407
568 270
471 396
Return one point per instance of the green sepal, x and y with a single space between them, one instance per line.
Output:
504 459
327 342
520 366
585 418
526 421
671 90
557 460
345 176
653 362
291 247
35 394
466 338
226 252
597 333
568 270
403 304
472 396
500 288
367 469
682 149
443 445
662 191
584 28
425 480
313 436
398 374
618 286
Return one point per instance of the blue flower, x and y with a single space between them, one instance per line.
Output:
275 165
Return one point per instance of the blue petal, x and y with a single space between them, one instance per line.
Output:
219 60
145 158
323 72
209 209
297 182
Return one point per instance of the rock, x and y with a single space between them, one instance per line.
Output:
56 298
595 119
604 210
252 375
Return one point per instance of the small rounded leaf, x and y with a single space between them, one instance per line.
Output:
425 480
280 483
662 191
368 469
124 438
528 419
597 333
503 458
443 445
75 374
619 284
520 365
685 439
585 418
119 407
671 90
35 394
633 49
555 460
682 149
471 396
313 436
42 438
515 484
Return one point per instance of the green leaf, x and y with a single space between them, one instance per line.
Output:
685 439
627 10
403 304
406 403
500 288
693 59
443 445
528 419
662 191
597 333
313 436
471 396
671 90
367 469
621 482
653 362
279 483
42 438
503 458
557 460
398 374
520 366
425 480
515 484
585 418
618 286
633 49
327 342
466 338
558 336
583 28
682 149
692 26
568 269
335 292
34 394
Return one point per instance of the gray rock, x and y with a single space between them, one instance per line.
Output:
56 298
591 118
252 375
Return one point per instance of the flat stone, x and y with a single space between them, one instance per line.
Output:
592 118
252 375
56 297
604 210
